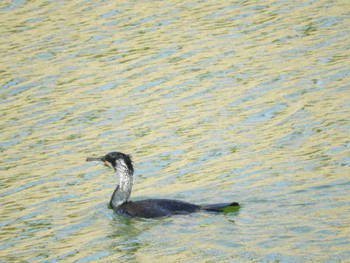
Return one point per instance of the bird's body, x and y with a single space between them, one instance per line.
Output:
149 208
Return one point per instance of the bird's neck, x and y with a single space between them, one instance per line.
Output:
122 192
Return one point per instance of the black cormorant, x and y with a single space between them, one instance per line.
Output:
149 208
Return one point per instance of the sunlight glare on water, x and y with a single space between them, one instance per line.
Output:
243 101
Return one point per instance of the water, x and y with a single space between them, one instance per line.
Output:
242 101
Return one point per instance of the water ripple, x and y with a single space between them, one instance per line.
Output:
216 102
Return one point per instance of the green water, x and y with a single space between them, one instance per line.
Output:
216 101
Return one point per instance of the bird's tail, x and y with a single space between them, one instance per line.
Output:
223 207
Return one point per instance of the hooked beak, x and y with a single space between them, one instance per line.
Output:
92 159
100 160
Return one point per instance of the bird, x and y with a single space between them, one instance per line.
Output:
149 208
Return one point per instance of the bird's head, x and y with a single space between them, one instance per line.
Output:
115 160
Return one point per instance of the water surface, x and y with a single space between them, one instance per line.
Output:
242 101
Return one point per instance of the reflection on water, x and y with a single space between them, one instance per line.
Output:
216 102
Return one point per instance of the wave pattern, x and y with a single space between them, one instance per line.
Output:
216 101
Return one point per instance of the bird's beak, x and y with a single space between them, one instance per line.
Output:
93 159
100 160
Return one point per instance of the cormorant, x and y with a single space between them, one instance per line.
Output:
149 208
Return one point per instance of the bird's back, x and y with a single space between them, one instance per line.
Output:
150 208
